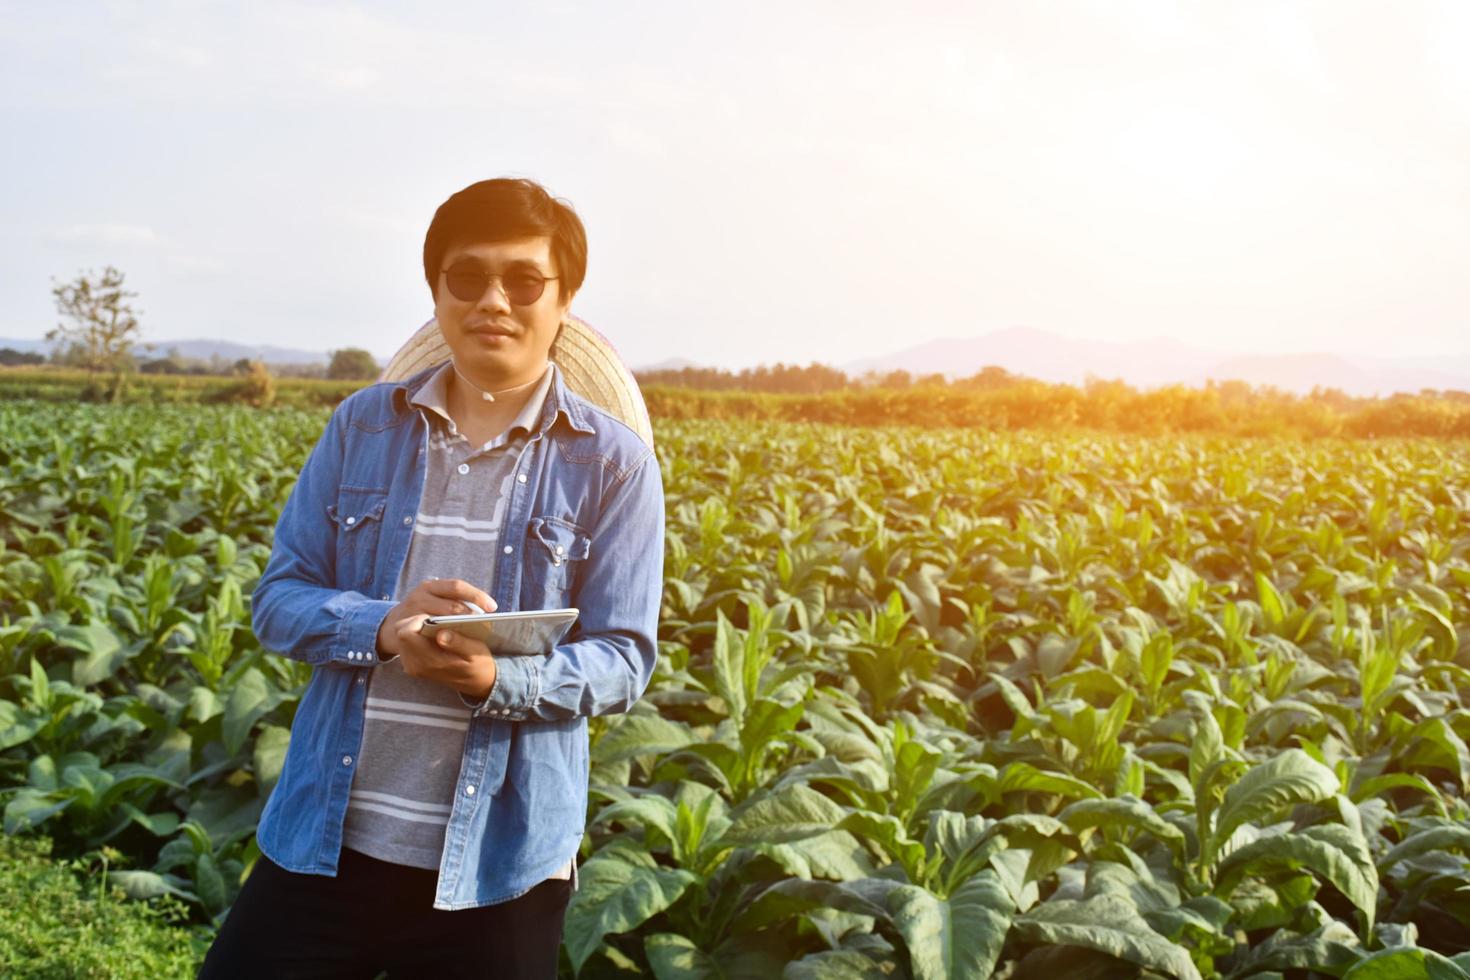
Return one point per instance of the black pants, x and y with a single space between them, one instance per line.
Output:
375 917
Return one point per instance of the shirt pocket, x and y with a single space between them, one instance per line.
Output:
358 516
555 550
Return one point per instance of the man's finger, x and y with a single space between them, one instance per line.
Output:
438 606
454 588
451 642
408 629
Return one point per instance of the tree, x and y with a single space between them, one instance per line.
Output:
352 364
10 357
102 327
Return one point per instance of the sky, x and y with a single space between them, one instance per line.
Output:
760 182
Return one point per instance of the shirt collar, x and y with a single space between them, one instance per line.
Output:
429 390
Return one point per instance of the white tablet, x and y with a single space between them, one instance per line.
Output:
509 634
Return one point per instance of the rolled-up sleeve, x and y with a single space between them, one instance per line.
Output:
607 664
296 609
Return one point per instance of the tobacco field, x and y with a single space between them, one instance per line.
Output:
930 704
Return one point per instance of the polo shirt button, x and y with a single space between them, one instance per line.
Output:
347 760
463 468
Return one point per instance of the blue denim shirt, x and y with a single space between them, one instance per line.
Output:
583 528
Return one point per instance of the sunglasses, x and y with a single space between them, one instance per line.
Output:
467 282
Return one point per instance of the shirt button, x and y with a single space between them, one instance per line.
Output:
508 549
347 760
407 521
463 468
385 597
362 680
560 550
521 478
351 520
469 791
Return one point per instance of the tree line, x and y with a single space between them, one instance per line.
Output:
99 331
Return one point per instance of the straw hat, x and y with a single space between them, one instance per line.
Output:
588 363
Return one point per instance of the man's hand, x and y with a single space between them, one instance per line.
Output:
448 658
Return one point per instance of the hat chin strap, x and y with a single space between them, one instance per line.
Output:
489 396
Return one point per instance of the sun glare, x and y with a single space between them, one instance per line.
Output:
1174 154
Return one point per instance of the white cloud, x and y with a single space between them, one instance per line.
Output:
103 234
185 266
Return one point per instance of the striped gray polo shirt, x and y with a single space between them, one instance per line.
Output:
413 738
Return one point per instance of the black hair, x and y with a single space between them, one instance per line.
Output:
505 208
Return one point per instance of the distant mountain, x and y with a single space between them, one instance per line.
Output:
231 351
1302 372
24 345
1147 364
1047 357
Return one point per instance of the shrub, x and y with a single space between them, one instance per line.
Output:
256 387
60 925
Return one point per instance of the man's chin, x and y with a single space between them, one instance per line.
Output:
493 373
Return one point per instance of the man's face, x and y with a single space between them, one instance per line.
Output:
498 344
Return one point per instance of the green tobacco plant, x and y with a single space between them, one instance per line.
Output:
929 703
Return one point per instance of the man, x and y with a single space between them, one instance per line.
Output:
433 798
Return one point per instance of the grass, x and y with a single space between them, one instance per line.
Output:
62 921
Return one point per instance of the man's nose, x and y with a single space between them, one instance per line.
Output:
494 299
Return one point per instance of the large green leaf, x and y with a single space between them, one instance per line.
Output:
790 814
888 833
1443 838
103 651
1127 812
955 938
1024 777
148 884
1333 851
792 897
836 854
1288 779
639 735
1072 963
17 726
649 811
838 964
270 755
1406 964
250 699
741 958
209 883
1332 948
28 809
1109 925
617 892
765 721
728 658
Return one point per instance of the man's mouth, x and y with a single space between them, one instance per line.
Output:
490 330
